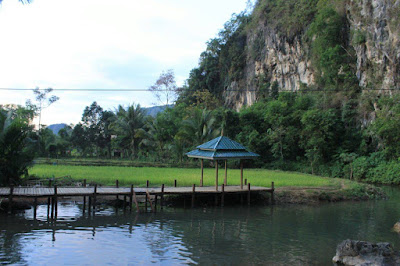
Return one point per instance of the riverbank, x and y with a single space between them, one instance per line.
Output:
314 195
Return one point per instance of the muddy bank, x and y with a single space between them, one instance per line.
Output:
315 195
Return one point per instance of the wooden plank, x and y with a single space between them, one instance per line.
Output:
149 199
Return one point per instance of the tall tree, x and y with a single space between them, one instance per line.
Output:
15 155
42 101
91 120
129 127
165 89
200 127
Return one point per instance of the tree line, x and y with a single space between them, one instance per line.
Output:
351 138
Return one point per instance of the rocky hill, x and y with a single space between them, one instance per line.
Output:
303 44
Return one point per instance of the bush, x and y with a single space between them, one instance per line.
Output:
385 173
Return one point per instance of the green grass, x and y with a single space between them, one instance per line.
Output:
106 175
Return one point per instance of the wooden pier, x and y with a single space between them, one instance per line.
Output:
129 194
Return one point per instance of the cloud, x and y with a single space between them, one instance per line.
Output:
102 44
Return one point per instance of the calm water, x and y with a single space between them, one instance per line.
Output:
257 235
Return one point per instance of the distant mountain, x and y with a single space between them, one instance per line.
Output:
153 111
56 127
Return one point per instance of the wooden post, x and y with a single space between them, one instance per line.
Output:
136 203
241 174
10 199
155 202
84 197
48 207
175 183
162 196
245 181
55 202
248 194
52 208
34 208
148 197
202 172
226 173
272 193
193 194
94 199
216 175
49 182
145 200
223 195
130 199
117 186
90 206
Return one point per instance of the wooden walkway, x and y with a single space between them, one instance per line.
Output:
128 194
107 191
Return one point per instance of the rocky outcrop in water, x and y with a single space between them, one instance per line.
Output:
354 252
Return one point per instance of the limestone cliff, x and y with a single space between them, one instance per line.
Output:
372 34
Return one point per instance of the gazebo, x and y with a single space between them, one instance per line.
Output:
222 148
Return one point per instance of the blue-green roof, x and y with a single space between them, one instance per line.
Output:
221 143
222 155
221 148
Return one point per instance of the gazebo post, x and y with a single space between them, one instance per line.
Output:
226 173
202 171
241 174
216 175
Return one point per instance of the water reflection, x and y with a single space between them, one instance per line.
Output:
232 235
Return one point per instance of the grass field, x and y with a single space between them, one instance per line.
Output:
106 175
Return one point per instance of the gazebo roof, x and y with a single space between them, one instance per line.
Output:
221 148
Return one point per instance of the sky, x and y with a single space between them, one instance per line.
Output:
102 44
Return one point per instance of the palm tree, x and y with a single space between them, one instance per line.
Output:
15 158
129 127
200 127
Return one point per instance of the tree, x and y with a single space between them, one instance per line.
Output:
91 118
42 101
321 135
97 123
79 138
199 128
129 127
165 88
15 153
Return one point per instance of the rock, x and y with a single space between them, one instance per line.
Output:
354 252
396 227
373 35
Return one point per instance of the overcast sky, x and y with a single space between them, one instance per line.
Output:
102 44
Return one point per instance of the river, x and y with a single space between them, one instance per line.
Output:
279 235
